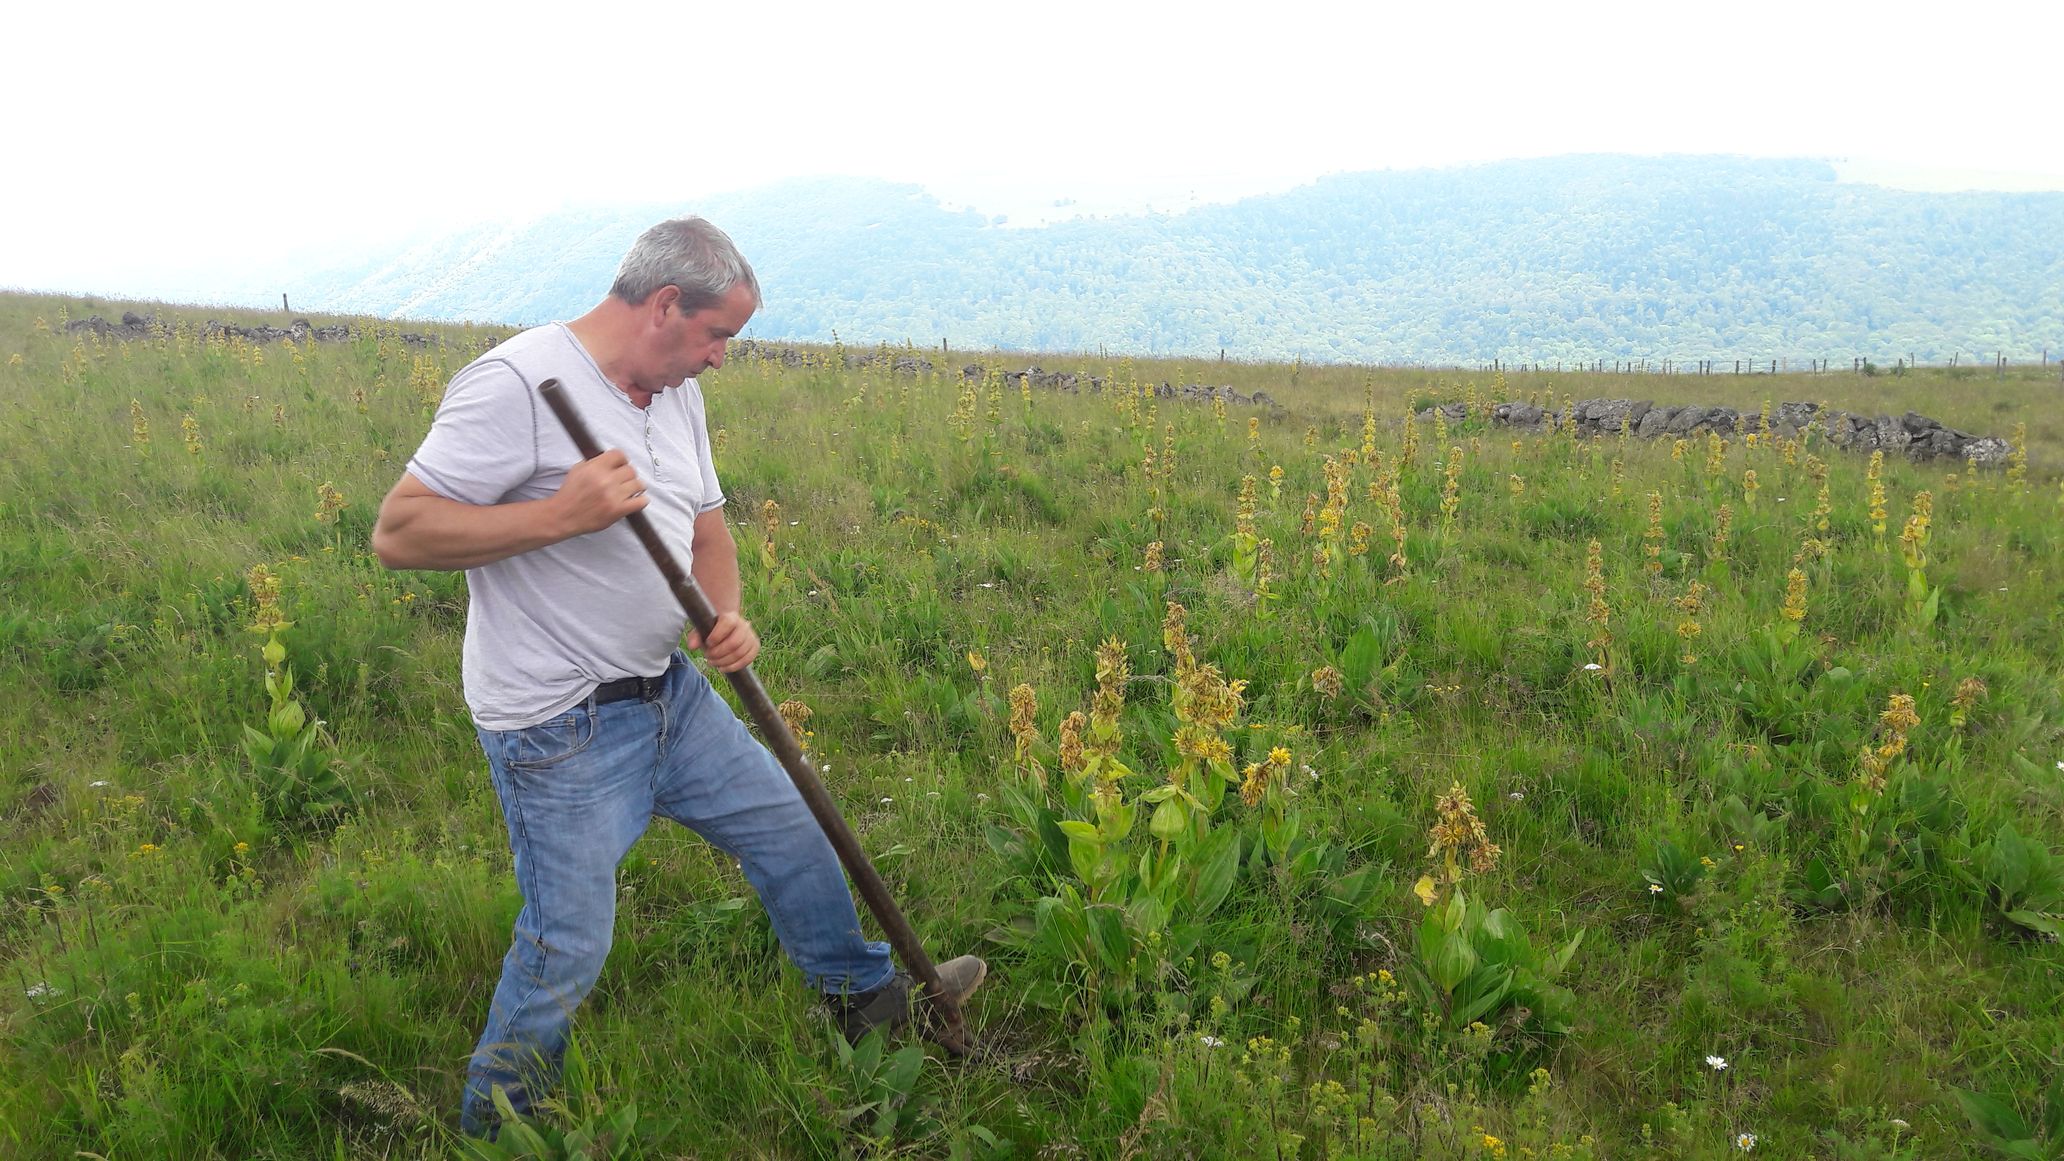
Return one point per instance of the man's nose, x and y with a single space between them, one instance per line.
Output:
717 358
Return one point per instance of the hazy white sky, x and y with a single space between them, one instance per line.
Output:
155 139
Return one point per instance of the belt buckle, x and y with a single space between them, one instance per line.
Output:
648 688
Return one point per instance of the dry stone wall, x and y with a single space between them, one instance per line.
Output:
147 326
1912 435
1069 381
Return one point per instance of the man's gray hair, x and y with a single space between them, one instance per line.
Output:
688 253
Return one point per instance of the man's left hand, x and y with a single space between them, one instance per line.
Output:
733 643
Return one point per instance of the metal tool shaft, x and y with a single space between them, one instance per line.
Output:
948 1027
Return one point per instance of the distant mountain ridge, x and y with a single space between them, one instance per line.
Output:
1566 258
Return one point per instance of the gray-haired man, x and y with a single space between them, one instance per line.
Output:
592 718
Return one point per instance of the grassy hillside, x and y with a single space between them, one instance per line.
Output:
1571 258
1804 817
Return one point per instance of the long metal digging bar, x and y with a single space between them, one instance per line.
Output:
947 1026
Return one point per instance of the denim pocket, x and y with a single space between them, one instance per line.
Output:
551 742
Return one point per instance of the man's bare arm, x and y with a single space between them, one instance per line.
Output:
734 643
716 562
417 528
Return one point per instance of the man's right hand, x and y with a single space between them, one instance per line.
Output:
599 492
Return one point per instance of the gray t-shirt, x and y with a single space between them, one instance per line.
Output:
544 627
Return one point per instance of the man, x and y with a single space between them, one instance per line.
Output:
592 719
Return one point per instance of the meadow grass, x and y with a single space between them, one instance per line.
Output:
1769 865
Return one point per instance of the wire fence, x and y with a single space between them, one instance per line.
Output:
1999 364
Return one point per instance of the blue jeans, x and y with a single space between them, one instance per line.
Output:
576 792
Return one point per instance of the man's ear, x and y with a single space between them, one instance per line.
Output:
661 300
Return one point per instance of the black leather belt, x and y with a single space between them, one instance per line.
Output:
626 688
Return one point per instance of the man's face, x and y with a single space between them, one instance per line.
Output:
694 340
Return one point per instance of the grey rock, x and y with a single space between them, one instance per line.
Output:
1987 451
1687 419
1853 431
1525 415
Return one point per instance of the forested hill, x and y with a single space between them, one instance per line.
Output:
1566 258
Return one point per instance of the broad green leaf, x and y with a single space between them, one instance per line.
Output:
1358 661
1307 861
1993 1117
2006 863
287 719
1453 962
2037 921
1052 836
1080 831
1059 922
1004 843
903 1067
1114 821
1354 892
1016 933
1482 992
1560 959
1220 867
1433 932
1456 913
1149 912
1171 819
1108 937
1500 939
2052 1113
1281 832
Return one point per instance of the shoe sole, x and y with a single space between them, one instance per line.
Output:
980 975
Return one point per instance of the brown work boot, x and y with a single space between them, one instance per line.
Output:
889 1006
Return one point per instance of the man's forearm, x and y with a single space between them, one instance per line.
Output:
715 568
431 532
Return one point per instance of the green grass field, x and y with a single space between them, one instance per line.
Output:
1772 783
